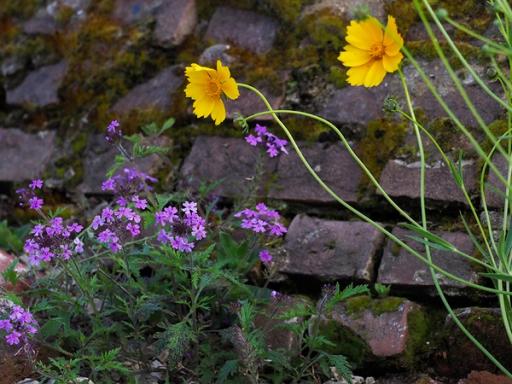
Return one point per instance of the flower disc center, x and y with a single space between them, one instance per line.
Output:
213 88
377 51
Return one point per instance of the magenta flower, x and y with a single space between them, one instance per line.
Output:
53 239
181 228
36 184
274 144
17 323
262 220
114 227
265 256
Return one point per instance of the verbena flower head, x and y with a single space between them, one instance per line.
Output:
274 144
265 256
114 133
53 240
28 196
206 87
127 184
18 324
114 227
371 51
181 227
262 220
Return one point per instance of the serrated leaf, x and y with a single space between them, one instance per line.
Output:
229 368
10 275
51 328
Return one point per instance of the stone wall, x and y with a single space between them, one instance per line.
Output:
69 67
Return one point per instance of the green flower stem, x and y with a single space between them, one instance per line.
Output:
450 113
427 260
451 72
356 212
427 247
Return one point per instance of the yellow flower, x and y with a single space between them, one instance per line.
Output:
206 86
371 51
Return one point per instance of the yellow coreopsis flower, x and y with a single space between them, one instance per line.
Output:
206 86
372 51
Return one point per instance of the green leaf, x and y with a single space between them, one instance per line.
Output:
498 276
10 273
150 129
229 368
9 239
51 328
168 124
433 239
342 366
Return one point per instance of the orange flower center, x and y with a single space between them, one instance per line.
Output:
213 88
377 51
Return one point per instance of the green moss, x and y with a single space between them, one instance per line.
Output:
338 76
420 328
18 8
287 10
325 28
426 50
380 142
64 14
345 342
356 305
305 129
404 12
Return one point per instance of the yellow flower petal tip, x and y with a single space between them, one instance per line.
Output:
372 51
206 86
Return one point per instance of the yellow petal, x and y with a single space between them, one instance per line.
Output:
218 112
223 71
195 90
203 107
364 34
353 57
356 75
393 42
230 89
391 63
375 74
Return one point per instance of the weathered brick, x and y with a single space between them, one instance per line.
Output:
24 156
40 87
400 179
380 326
246 29
331 250
155 93
458 356
332 163
238 167
175 20
399 268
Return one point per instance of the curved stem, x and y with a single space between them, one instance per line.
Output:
356 212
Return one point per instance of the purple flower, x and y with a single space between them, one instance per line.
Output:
139 203
265 256
114 134
180 228
127 185
261 220
36 184
35 202
51 240
108 185
274 144
17 323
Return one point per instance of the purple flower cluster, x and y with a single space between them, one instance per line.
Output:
127 184
265 257
28 196
17 323
262 220
273 143
53 239
114 133
113 227
181 227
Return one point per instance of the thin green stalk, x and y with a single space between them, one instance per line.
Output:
425 227
449 69
356 212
